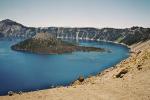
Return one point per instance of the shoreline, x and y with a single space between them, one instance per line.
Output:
112 67
109 68
74 82
100 83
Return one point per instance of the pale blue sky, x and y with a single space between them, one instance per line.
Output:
77 13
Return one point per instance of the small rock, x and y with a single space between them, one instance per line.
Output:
10 93
139 67
20 92
81 78
121 73
139 52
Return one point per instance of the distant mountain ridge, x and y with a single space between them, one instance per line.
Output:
12 29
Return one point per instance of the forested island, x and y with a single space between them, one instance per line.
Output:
44 43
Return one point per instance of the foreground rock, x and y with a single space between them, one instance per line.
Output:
44 43
11 93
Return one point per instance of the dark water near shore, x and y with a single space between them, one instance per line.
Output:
20 71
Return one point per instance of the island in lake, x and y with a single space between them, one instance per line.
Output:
44 43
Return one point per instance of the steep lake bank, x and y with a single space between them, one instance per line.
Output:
20 71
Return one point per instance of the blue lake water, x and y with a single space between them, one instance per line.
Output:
20 71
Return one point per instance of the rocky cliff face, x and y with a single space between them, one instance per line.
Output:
11 29
135 35
128 36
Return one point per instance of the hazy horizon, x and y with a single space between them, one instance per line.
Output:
77 13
